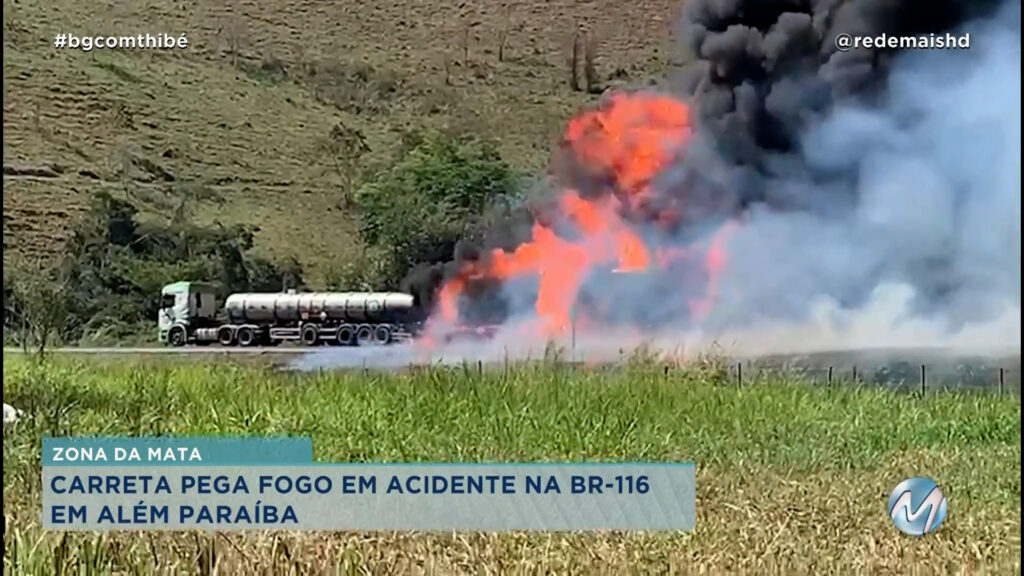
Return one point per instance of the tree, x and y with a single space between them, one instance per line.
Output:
235 32
437 193
503 36
35 304
590 74
346 147
573 61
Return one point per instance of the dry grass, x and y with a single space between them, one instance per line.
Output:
261 83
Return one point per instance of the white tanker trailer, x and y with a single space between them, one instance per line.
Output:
188 315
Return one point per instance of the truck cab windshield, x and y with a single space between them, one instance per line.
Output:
167 301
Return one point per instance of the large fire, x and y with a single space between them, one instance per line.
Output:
620 149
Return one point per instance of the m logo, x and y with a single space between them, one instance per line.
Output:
917 506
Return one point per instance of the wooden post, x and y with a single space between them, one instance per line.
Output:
739 373
923 379
574 336
830 376
1001 381
854 372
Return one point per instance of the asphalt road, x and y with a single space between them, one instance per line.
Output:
868 356
208 350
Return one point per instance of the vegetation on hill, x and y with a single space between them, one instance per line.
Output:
106 285
438 193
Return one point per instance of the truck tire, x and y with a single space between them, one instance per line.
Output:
226 336
246 336
382 335
364 335
177 336
346 335
310 335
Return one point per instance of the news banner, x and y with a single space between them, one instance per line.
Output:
274 483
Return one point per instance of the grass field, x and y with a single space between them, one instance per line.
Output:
791 478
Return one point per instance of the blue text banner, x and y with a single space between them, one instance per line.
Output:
238 490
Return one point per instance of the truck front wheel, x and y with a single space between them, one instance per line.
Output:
177 336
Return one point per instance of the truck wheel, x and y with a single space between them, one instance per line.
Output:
364 335
382 334
310 336
246 336
226 336
177 336
346 334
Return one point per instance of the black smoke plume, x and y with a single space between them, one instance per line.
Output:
766 70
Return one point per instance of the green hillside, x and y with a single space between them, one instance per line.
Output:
237 127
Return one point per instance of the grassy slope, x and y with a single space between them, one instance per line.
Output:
791 478
215 120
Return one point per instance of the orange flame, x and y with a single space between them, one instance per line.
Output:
627 143
632 138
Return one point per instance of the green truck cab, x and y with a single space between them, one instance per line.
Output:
185 307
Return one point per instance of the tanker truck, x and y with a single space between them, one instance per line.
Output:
188 315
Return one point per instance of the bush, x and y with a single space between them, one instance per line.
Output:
437 193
